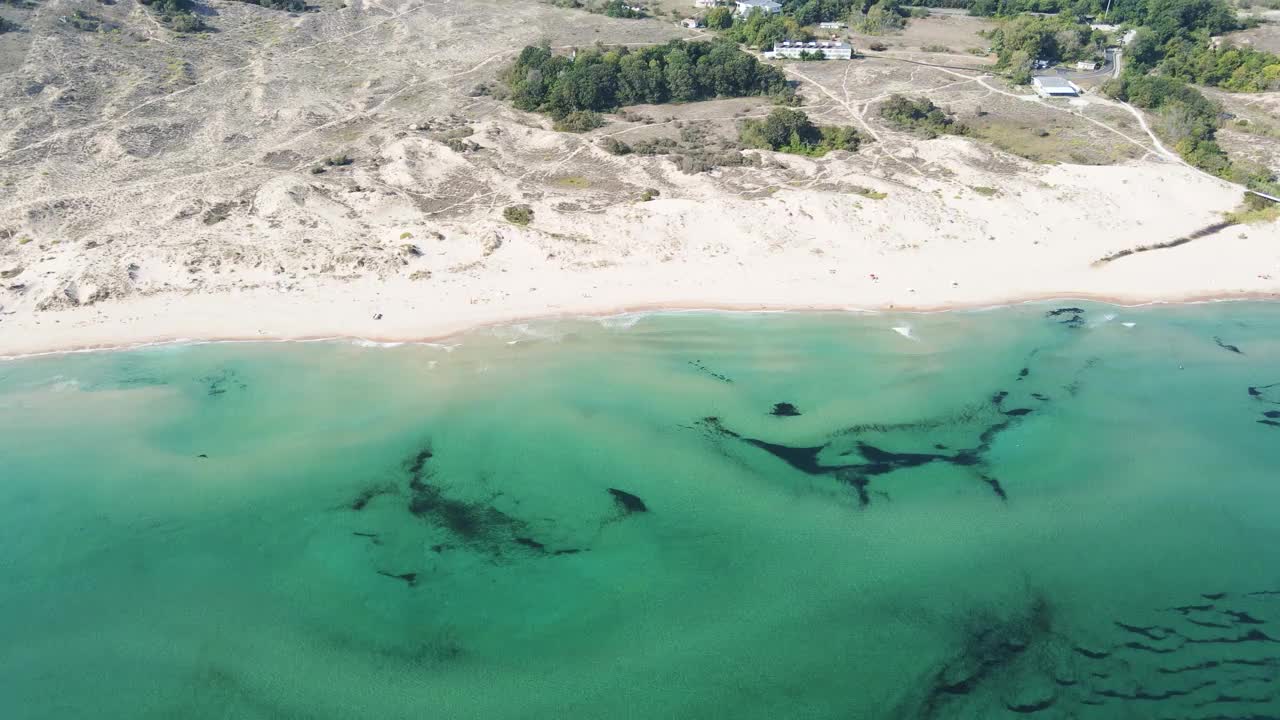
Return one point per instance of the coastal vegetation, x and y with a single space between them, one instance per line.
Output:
791 131
518 214
607 78
696 150
920 116
6 26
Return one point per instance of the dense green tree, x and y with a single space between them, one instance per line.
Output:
603 79
719 18
883 17
1045 38
681 86
763 31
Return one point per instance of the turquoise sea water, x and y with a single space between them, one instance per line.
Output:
997 514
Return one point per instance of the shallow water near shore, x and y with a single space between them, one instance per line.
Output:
1045 511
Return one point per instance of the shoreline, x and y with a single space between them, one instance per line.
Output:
642 309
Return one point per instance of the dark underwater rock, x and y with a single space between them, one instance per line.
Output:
804 459
410 579
1262 393
531 544
628 502
784 409
1242 617
1227 346
1092 654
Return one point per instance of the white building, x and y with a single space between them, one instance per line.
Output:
1086 65
1054 86
828 50
706 3
691 23
832 25
745 7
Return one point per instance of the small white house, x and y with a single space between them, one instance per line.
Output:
691 23
827 50
706 3
832 25
746 7
1054 86
1086 65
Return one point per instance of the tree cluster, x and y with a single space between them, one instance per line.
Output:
920 116
791 131
1228 67
606 78
6 26
764 31
1020 41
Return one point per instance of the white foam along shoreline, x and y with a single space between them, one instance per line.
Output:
617 318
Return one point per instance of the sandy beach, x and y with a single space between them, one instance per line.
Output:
791 251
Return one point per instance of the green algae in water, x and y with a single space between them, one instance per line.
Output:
1014 513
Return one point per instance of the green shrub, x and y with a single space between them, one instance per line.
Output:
919 116
791 131
614 146
177 14
518 214
83 21
580 121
